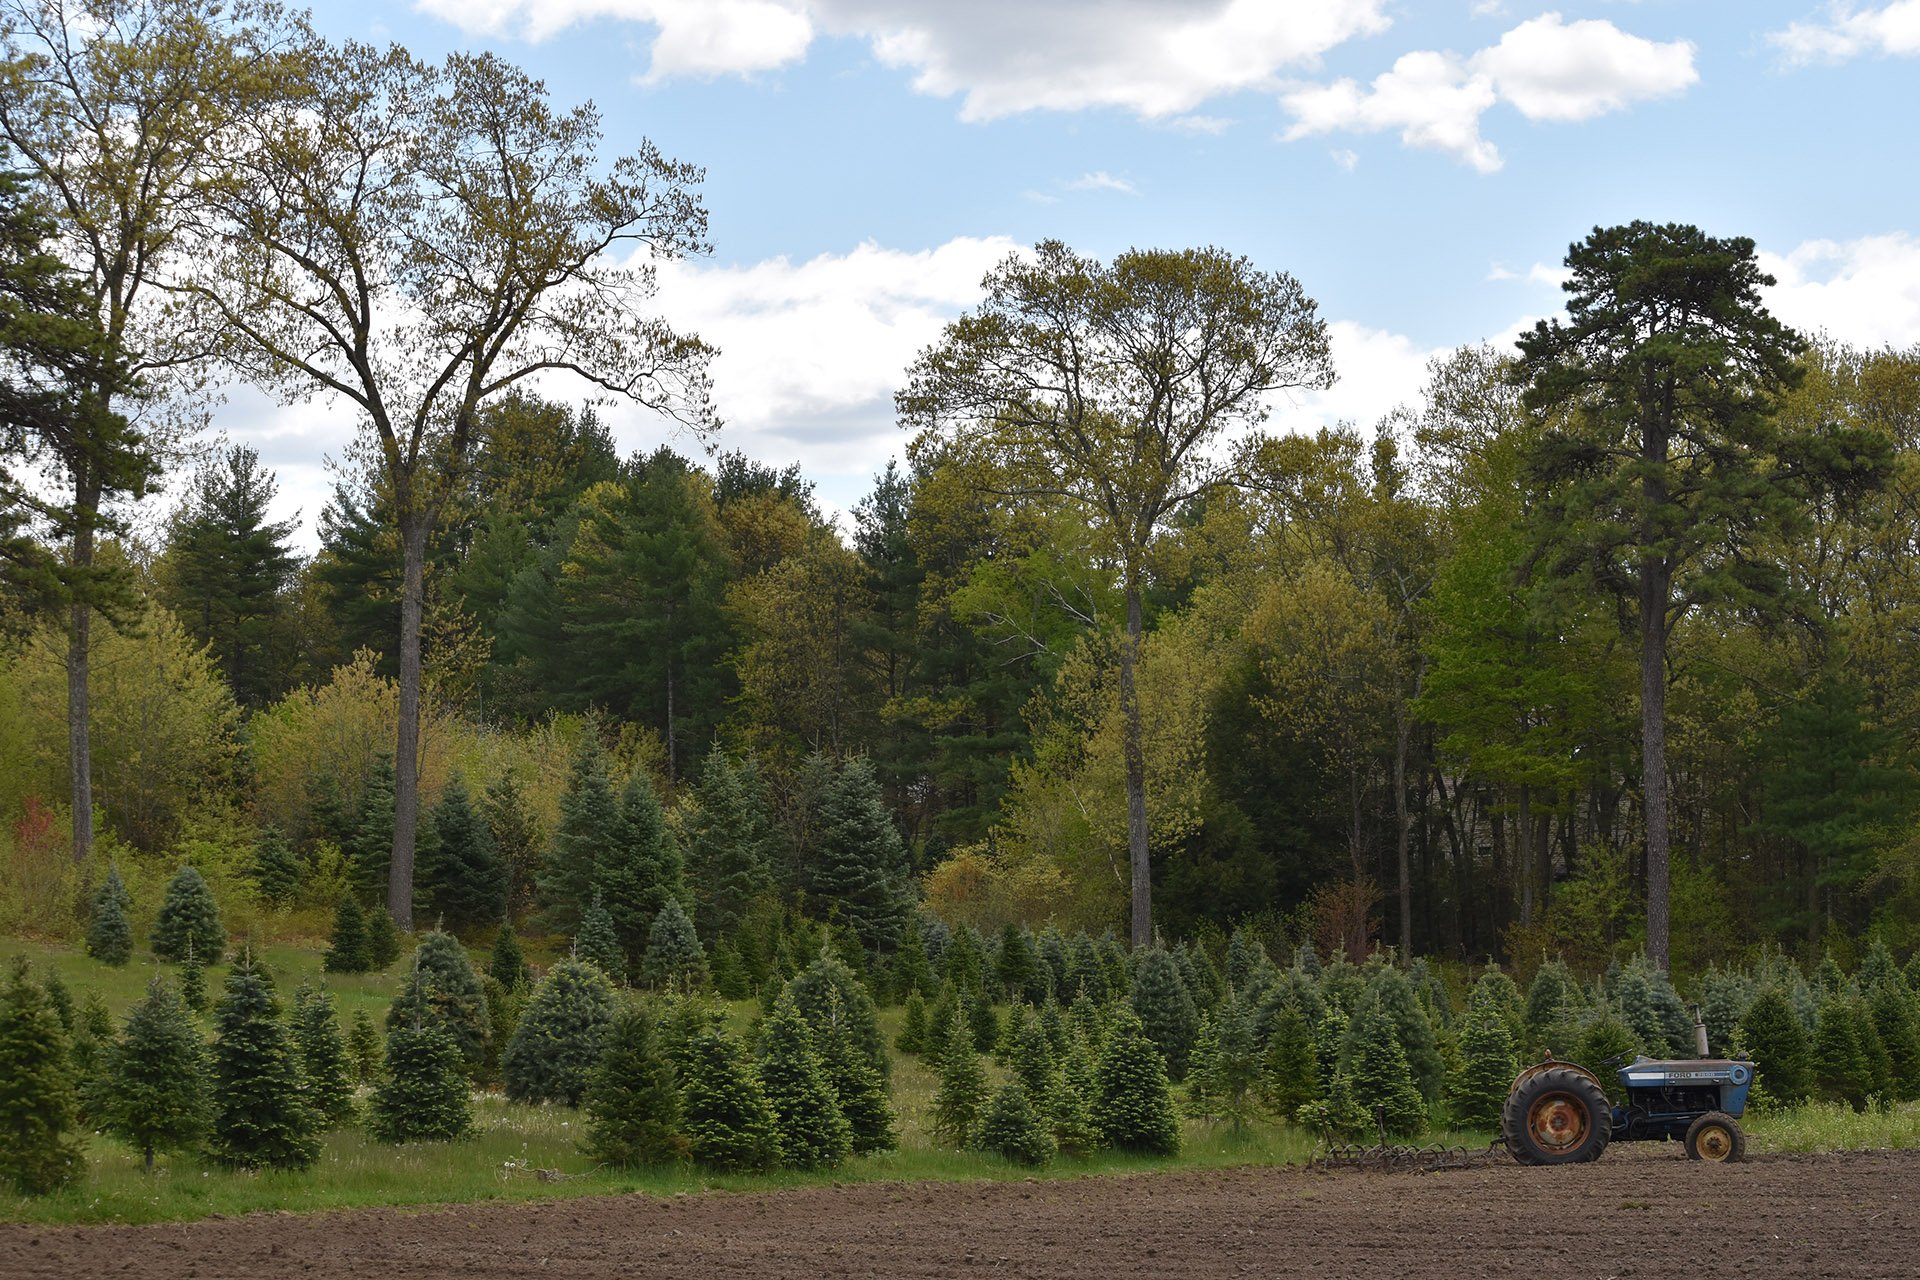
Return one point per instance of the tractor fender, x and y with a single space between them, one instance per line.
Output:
1551 1063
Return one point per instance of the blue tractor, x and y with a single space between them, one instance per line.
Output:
1557 1112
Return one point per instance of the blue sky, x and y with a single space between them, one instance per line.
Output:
1420 168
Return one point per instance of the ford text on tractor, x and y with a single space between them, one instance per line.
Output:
1558 1113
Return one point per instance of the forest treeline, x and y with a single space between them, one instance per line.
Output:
1604 643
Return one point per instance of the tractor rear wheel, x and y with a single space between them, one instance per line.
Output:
1556 1116
1716 1137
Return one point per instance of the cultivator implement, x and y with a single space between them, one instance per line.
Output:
1400 1157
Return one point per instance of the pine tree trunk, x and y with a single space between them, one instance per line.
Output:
1524 862
79 655
1653 754
1134 753
1402 820
406 751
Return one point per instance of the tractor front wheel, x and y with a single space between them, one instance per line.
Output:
1556 1116
1716 1136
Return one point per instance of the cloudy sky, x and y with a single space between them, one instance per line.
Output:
1421 168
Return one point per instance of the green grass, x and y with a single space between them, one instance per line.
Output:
513 1142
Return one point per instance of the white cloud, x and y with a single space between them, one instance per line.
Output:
694 37
1348 160
1849 32
1545 69
1156 58
1100 180
812 352
1378 371
1539 273
1864 291
1212 126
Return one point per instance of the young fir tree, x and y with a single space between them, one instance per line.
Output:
731 980
912 1039
963 1086
1017 966
1329 1044
1202 1099
1234 1069
1379 1076
827 989
1890 1003
441 988
632 1104
424 1095
467 883
1391 990
911 969
157 1089
347 950
1496 991
560 1035
1289 1076
858 863
729 845
1166 1008
504 1008
1652 1010
516 837
322 1051
1132 1098
1070 1104
363 1048
1015 1128
1724 997
1876 1062
383 940
598 943
1603 1044
983 1023
36 1093
807 1121
188 915
193 980
674 956
724 1113
641 870
275 873
506 963
1840 1068
1030 1057
589 822
370 848
857 1087
1487 1069
88 1049
109 932
1782 1052
1246 956
261 1116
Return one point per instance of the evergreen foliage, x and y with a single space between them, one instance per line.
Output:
1605 1042
560 1035
442 989
674 956
1487 1069
36 1095
962 1094
912 971
1166 1008
632 1103
1891 1006
466 884
1289 1075
589 822
912 1039
729 844
424 1096
261 1115
193 980
1652 1010
363 1048
348 950
1031 1058
827 991
276 874
1840 1068
157 1088
322 1051
1782 1052
983 1023
109 932
1017 966
1015 1128
640 872
1379 1075
857 1087
1391 991
598 943
1329 1042
808 1124
1132 1098
506 964
371 847
859 862
724 1113
1070 1103
1496 991
188 916
383 939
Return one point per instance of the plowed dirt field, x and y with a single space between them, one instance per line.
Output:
1638 1212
